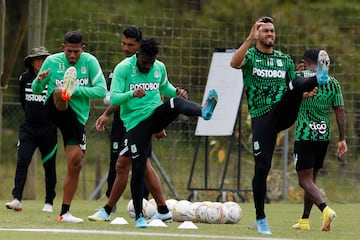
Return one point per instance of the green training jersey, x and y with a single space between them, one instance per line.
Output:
90 81
127 78
266 78
313 122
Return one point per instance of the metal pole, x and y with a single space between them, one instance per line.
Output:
163 174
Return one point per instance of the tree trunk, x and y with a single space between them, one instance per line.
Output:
36 37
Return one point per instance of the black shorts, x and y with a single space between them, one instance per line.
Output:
73 132
309 154
124 150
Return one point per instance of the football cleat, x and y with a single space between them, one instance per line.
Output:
262 226
68 218
100 216
328 216
210 104
302 224
69 83
14 205
322 69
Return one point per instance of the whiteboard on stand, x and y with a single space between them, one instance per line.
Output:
228 82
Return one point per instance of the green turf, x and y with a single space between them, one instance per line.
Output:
280 215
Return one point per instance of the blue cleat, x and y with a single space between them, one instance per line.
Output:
100 216
141 222
210 104
322 69
165 217
262 226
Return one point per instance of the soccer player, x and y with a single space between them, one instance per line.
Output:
130 42
119 172
137 84
35 131
68 105
274 96
312 138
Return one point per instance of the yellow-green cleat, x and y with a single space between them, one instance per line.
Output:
328 216
302 224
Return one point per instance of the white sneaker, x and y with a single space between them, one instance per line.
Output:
67 217
69 83
14 205
47 207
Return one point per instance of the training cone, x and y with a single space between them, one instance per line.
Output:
188 225
119 220
157 223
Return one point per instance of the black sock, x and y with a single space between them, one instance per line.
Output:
322 206
305 216
108 209
64 209
163 209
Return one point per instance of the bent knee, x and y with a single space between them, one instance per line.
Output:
123 165
75 165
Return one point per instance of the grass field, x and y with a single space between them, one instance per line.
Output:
31 223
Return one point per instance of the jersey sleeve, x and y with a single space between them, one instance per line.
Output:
118 93
290 74
166 88
338 100
38 87
97 86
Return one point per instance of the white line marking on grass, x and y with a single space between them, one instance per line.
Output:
106 232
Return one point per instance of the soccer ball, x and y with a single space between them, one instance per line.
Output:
153 202
192 212
215 213
148 209
234 212
181 211
200 211
130 208
170 203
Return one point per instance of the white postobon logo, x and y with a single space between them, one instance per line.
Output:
319 127
147 86
269 73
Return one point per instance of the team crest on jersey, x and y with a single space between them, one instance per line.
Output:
83 70
133 71
279 63
156 74
271 62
